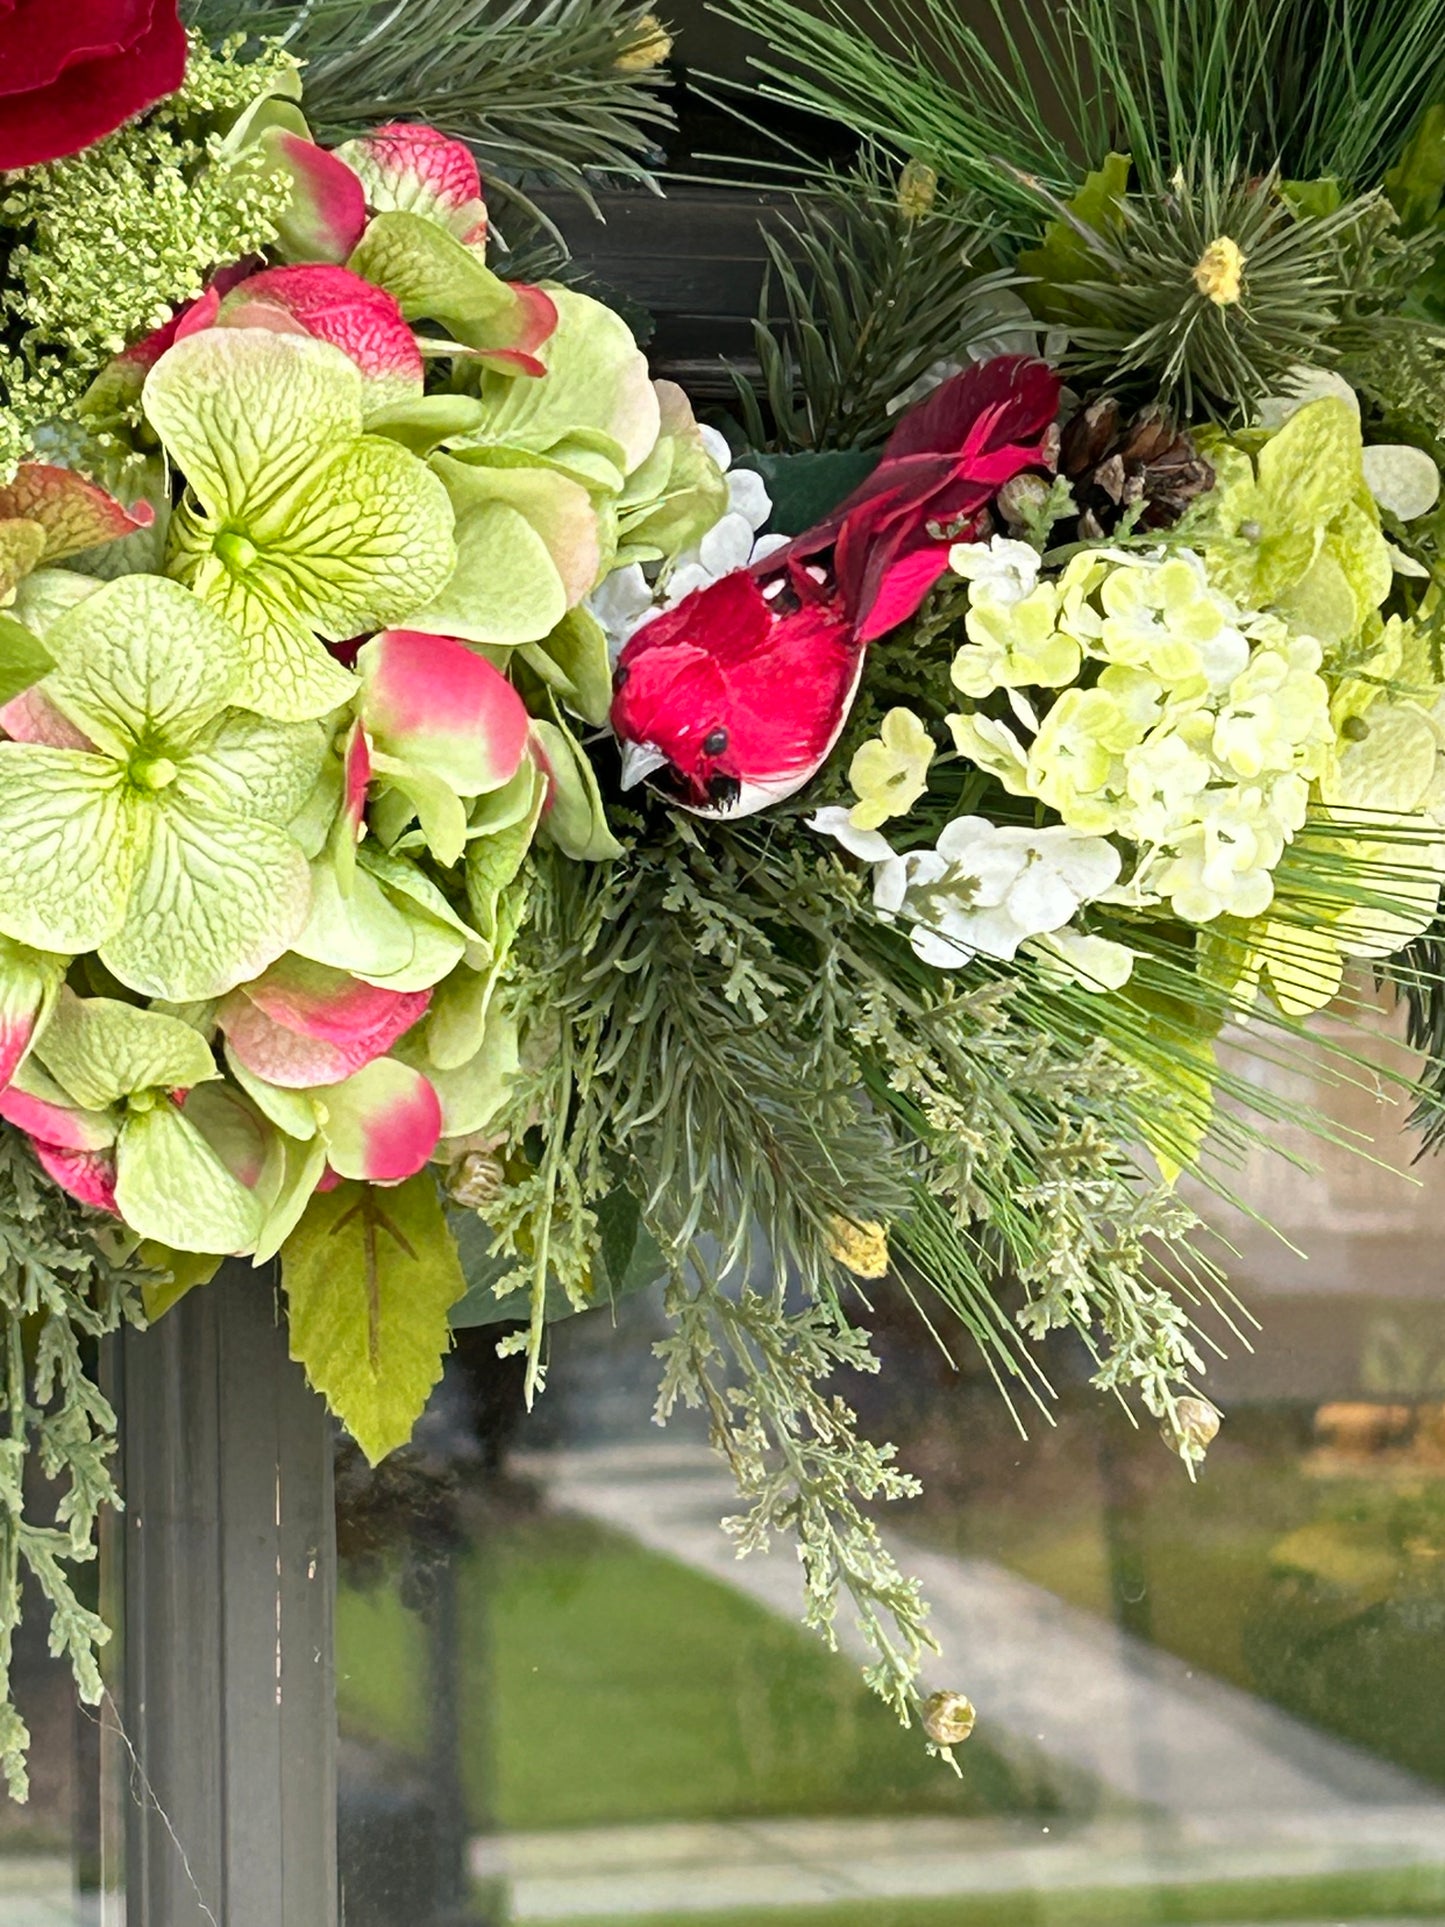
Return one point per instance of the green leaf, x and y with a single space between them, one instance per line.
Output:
171 1186
24 659
184 1271
1415 184
1066 255
806 488
100 1050
370 1276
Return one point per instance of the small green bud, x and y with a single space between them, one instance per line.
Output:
153 772
1191 1428
948 1718
917 190
1354 729
237 552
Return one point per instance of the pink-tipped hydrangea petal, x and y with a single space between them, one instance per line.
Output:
383 1123
327 215
303 1024
197 318
59 1125
419 170
33 718
433 702
74 513
335 305
319 1001
88 1176
356 776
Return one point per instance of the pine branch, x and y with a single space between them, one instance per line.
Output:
553 87
1320 88
870 286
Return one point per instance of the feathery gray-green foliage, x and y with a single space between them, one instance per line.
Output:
59 1291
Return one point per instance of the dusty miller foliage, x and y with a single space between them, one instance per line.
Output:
59 1293
721 1025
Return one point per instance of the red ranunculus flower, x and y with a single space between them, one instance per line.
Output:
72 70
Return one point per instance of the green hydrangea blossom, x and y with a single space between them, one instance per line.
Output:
297 524
1196 736
163 845
1291 525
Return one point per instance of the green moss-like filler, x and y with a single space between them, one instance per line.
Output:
99 248
60 1289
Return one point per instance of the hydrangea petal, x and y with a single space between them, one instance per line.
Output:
29 982
327 214
67 847
74 514
381 1124
419 170
332 304
100 1050
434 702
172 1186
87 1176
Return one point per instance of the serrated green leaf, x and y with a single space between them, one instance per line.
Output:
1066 255
100 1050
370 1276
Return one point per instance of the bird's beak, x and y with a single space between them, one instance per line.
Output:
639 760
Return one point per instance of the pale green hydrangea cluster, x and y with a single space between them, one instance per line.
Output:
1195 707
1195 739
103 245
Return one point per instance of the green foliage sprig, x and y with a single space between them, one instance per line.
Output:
60 1290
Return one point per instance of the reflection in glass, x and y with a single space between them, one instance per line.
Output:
563 1700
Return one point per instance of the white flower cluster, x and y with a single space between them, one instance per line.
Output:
986 888
1183 724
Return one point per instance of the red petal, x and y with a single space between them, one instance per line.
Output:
88 101
88 1176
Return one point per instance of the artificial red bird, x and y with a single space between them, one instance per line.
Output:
733 700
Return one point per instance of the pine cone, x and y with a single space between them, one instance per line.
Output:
1114 465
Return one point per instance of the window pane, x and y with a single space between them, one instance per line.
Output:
563 1700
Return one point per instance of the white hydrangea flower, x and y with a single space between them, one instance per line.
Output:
984 888
1001 570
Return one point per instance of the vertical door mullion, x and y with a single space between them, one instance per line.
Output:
229 1571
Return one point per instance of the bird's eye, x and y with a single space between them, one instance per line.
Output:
620 674
715 742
